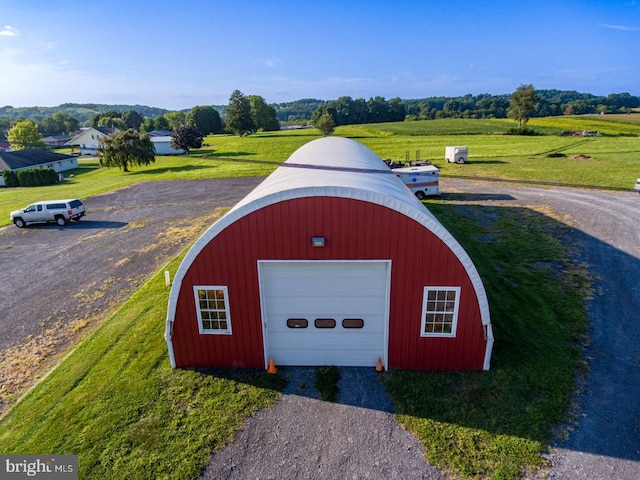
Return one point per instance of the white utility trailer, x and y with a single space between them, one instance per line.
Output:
637 187
456 154
422 181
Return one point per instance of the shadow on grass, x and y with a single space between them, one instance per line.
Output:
212 154
486 162
80 170
250 376
162 170
312 133
273 163
537 295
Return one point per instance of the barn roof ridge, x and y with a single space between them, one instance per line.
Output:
336 168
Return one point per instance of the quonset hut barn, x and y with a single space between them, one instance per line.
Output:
330 261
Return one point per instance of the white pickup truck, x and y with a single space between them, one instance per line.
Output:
59 211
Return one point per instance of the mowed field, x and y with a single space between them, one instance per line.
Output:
609 161
117 404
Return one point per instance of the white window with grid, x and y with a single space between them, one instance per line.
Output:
212 305
440 311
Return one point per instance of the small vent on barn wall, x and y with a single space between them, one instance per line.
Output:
167 278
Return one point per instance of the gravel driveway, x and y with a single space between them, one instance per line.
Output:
302 437
53 279
58 282
605 442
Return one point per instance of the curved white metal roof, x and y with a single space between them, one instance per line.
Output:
336 167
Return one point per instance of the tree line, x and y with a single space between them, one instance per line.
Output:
349 111
550 103
344 110
245 114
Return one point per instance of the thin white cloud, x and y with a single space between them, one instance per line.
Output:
624 28
48 45
272 62
8 31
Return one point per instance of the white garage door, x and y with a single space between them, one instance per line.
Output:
325 313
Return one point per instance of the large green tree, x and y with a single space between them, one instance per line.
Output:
24 134
148 125
132 119
204 119
325 124
397 110
523 103
5 125
186 138
239 118
176 119
59 123
112 122
98 119
378 110
162 123
125 148
320 111
264 115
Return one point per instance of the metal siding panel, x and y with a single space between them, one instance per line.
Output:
217 265
354 230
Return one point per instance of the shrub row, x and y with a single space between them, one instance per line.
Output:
32 177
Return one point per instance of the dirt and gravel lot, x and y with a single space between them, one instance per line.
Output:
57 283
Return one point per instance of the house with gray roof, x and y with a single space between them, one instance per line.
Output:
90 139
34 158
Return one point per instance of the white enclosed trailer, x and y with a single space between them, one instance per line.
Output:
456 154
422 181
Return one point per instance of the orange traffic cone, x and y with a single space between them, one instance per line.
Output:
272 368
379 367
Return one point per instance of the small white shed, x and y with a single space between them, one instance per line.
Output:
163 146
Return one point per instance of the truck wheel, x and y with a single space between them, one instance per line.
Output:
461 160
420 194
19 222
60 220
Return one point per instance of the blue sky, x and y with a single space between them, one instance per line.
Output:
177 54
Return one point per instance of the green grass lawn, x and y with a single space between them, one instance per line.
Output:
116 402
614 159
495 424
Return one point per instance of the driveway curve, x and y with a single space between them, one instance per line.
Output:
604 442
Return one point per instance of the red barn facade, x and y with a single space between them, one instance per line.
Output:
330 261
